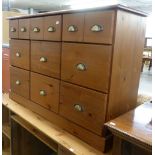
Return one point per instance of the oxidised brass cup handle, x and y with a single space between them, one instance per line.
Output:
18 82
23 29
96 28
18 54
81 67
51 29
13 29
72 28
36 29
78 107
43 59
42 93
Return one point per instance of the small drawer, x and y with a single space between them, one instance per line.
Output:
20 53
45 58
99 27
45 91
83 106
19 81
73 25
86 65
24 28
52 28
36 28
13 28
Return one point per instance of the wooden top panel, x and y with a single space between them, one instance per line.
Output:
134 126
68 141
109 7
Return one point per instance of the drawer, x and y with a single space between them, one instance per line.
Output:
45 58
86 65
36 28
13 28
20 53
24 28
19 81
99 27
52 28
73 25
83 106
45 91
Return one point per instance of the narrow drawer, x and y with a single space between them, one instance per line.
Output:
19 80
45 91
20 53
13 28
24 28
99 27
52 28
83 106
73 26
86 65
36 28
45 58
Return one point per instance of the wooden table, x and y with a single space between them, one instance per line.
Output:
33 122
133 131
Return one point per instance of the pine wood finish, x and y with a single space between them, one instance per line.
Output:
20 53
20 81
95 58
50 51
49 86
91 57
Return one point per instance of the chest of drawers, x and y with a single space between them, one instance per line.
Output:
78 69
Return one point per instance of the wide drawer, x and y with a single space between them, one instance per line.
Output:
20 53
45 91
83 106
45 58
24 28
13 28
86 65
99 27
19 81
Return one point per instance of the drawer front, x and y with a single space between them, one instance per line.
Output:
99 27
52 28
13 28
45 58
20 53
24 28
87 65
83 106
19 81
73 25
36 28
45 91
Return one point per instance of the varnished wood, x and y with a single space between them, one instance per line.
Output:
37 23
23 48
126 63
104 19
56 22
134 126
13 24
76 20
24 23
97 60
23 88
93 105
57 134
51 87
51 52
